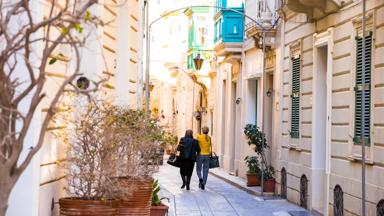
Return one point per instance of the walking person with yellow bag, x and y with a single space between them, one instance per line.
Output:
202 160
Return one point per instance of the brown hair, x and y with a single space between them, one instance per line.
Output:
189 133
205 130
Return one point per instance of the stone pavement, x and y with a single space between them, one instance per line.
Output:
219 198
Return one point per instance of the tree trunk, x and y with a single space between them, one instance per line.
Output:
4 196
5 191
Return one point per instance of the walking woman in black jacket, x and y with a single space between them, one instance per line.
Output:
189 148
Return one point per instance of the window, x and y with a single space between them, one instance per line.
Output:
283 183
190 62
380 208
359 108
338 203
295 114
218 30
304 192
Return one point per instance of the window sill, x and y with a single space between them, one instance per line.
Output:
357 158
294 148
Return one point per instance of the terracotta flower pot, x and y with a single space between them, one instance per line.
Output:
160 210
252 179
269 185
80 207
139 201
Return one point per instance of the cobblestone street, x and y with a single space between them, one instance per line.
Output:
219 198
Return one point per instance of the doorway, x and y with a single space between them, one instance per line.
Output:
233 128
269 112
320 124
200 113
223 115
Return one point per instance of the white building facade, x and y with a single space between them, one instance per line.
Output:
114 51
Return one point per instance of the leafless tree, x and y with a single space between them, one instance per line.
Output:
28 45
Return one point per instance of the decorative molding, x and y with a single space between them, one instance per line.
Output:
358 158
296 49
369 23
294 148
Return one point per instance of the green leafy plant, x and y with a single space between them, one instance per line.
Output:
171 140
156 200
257 140
255 137
269 173
253 164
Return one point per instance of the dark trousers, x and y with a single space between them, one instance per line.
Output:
186 168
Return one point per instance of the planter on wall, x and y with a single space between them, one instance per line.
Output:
80 207
160 210
253 179
139 201
269 185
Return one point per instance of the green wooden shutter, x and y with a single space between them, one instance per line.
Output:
359 135
295 114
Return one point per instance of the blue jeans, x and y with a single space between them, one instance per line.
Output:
202 163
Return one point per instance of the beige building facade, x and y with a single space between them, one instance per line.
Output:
240 95
319 147
309 106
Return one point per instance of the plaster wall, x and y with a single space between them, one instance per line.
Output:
343 171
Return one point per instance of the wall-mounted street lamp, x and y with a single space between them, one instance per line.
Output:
198 62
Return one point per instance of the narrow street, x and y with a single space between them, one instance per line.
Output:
219 198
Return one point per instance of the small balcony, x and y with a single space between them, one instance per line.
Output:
229 32
314 9
266 17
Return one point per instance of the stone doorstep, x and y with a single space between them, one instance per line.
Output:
241 184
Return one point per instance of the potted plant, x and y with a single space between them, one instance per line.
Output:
89 163
139 139
269 180
256 139
253 172
158 208
171 141
110 161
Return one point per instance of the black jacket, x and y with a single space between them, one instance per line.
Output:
189 148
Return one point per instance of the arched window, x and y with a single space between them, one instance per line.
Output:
283 183
380 208
338 203
303 191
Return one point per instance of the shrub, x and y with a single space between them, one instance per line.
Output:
253 164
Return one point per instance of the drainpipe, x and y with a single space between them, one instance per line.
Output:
363 119
148 38
193 104
264 79
140 66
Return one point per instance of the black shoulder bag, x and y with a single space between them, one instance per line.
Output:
213 158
